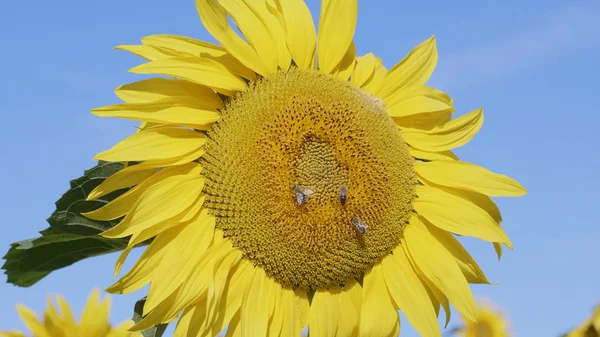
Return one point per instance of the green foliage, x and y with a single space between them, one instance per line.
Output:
71 237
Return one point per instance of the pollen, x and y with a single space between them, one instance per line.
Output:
309 177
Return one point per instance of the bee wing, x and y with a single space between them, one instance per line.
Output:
360 226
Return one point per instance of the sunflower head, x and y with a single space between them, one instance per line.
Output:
308 177
288 182
60 322
491 322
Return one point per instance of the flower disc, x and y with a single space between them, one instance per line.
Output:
309 177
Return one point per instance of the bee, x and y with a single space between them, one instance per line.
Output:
301 194
360 226
343 195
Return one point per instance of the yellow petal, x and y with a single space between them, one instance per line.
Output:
199 281
52 321
324 313
424 121
183 44
409 293
254 30
191 243
596 318
95 314
498 249
234 329
135 174
336 30
344 70
420 154
155 144
350 307
481 200
469 177
121 260
335 311
364 69
415 69
279 311
300 32
122 330
154 89
65 309
186 45
294 310
161 204
31 321
202 71
143 270
190 322
452 134
149 53
189 215
256 305
122 205
432 296
379 317
269 14
214 18
217 288
374 82
185 111
417 100
437 297
457 215
442 270
11 334
124 178
469 267
157 315
230 302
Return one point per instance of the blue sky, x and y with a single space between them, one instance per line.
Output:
532 65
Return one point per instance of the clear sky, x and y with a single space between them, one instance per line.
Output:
532 65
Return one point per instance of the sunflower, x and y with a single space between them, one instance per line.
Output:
589 328
288 183
490 323
61 323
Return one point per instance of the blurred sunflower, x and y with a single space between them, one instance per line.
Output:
490 323
287 182
62 323
589 328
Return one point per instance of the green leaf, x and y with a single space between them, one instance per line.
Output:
71 237
155 331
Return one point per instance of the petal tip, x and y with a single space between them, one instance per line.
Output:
140 68
93 195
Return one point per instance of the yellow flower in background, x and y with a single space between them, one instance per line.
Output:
491 322
61 322
589 328
289 183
